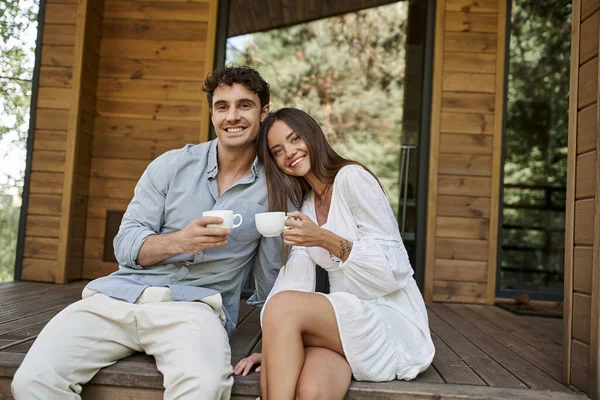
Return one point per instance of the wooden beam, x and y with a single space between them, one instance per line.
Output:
497 153
434 147
209 61
570 200
72 145
594 370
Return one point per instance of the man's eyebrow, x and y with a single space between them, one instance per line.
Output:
243 100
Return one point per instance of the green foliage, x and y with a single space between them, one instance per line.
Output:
536 142
17 41
538 101
347 72
9 224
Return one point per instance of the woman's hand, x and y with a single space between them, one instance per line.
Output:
302 231
245 365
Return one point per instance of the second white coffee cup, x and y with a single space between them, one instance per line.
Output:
270 224
228 218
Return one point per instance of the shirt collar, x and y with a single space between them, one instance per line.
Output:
213 166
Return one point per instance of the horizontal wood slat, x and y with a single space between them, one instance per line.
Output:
153 49
461 249
587 126
470 62
463 206
152 69
156 10
154 30
467 292
465 228
459 21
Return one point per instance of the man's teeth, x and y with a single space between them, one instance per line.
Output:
234 130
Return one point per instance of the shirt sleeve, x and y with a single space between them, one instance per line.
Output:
267 263
299 273
145 213
378 263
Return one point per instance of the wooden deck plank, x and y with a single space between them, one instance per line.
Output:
543 361
535 326
30 320
402 390
34 310
20 296
490 371
430 375
26 307
451 367
524 333
519 366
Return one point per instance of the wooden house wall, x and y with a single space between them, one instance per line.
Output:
40 255
119 84
582 248
152 64
465 150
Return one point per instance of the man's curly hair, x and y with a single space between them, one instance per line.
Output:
243 75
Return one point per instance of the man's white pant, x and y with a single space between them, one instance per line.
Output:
187 339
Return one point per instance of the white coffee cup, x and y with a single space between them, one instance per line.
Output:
270 224
228 218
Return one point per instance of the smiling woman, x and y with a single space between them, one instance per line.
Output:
346 64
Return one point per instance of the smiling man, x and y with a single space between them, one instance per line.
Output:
177 291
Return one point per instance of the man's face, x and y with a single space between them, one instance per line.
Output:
236 115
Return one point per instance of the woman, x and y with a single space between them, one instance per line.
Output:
373 325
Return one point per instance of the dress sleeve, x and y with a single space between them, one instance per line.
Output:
298 273
378 263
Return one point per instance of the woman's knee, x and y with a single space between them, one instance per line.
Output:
307 390
281 306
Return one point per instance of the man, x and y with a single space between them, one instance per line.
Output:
176 293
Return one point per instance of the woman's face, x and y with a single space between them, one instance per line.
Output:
288 149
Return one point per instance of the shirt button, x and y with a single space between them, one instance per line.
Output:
187 263
173 280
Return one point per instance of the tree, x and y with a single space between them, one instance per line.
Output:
17 43
536 140
347 72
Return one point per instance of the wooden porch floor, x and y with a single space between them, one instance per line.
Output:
482 352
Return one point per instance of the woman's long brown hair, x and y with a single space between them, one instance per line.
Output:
325 163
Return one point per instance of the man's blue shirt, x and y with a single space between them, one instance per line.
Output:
176 189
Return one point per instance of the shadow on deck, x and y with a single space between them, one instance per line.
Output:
482 352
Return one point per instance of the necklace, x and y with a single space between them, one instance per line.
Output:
322 197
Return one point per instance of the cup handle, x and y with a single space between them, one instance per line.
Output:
239 223
286 218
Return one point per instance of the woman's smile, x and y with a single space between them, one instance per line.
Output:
296 162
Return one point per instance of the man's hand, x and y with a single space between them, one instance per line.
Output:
196 236
302 231
192 239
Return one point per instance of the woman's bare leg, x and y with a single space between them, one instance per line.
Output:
325 375
291 321
263 381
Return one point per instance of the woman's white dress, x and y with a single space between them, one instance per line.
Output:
379 309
